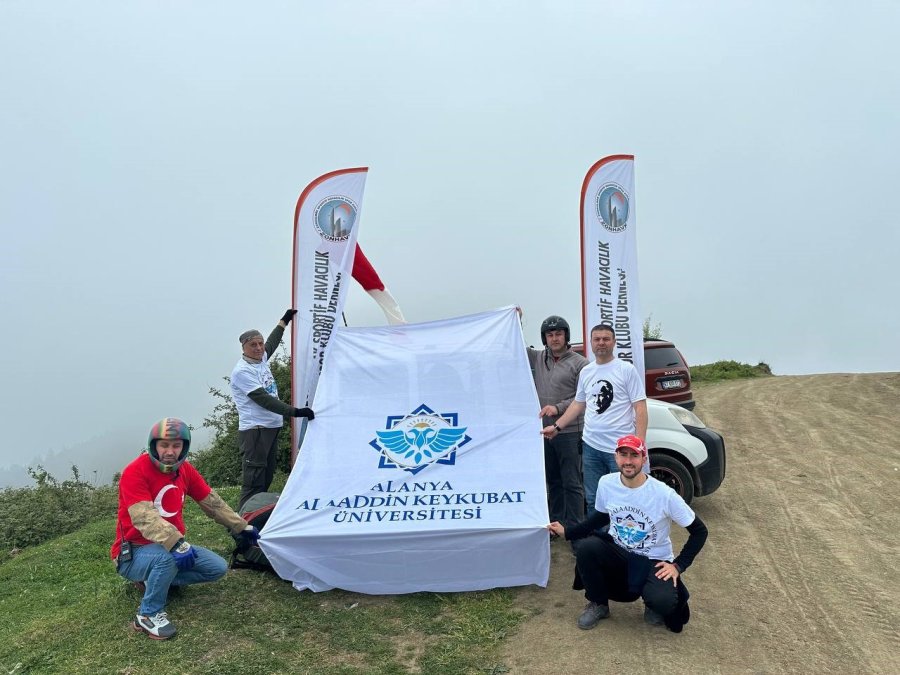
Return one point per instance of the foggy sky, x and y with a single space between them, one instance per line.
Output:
151 155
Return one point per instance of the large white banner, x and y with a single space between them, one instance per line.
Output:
326 224
424 467
609 257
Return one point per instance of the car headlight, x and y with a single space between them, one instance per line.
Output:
686 417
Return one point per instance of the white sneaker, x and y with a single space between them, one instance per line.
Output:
157 626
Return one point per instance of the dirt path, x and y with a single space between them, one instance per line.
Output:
799 573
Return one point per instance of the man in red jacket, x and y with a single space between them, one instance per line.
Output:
150 547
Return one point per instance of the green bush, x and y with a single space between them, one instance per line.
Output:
650 331
220 462
51 508
728 370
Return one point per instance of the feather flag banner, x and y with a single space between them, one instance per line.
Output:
609 270
326 224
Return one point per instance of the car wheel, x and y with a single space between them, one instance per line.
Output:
674 474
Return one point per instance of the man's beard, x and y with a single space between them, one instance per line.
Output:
629 471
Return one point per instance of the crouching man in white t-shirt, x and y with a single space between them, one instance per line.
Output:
635 558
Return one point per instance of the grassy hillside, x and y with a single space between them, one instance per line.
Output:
63 609
727 370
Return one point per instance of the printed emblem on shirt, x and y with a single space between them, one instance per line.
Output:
604 394
168 500
633 530
269 384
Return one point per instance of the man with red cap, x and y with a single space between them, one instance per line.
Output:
634 559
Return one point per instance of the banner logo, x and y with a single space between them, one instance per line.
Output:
335 217
413 441
612 207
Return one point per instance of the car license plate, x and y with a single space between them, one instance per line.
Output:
672 384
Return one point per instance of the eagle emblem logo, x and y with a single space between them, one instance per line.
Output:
422 437
630 533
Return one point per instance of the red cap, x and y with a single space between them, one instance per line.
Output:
633 443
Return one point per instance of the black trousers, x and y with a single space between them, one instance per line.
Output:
565 489
259 455
604 570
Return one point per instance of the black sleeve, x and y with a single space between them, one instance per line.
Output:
697 534
587 526
269 402
272 343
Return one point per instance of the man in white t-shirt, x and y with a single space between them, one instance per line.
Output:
260 412
635 558
611 395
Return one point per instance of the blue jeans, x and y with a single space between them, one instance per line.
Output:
156 567
595 464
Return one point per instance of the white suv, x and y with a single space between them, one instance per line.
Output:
684 453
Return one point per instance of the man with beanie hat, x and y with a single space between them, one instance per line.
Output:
635 558
260 411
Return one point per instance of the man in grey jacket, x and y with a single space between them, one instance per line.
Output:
260 412
555 369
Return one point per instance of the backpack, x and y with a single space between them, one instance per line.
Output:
256 512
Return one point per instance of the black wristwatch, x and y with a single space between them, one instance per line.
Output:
556 426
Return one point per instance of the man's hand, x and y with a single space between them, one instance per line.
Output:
549 432
305 412
184 554
557 529
288 315
549 411
250 535
246 538
666 571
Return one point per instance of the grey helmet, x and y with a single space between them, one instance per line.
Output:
554 323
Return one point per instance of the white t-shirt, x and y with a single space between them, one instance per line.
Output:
245 378
640 518
609 392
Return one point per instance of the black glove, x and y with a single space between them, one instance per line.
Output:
304 412
288 315
246 538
